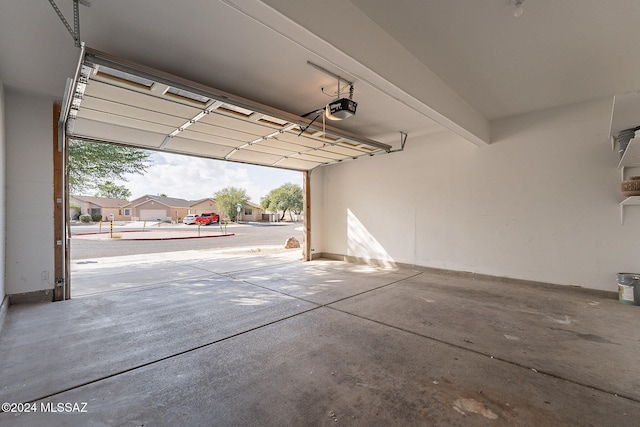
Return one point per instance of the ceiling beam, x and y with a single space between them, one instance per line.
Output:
317 27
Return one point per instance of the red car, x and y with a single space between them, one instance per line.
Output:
208 218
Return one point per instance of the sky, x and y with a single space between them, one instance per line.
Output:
194 178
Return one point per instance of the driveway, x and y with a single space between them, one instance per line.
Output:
100 263
108 274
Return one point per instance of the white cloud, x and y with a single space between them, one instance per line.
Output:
195 178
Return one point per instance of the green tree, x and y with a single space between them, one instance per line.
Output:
112 191
288 197
227 199
92 162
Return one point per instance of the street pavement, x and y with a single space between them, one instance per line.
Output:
86 244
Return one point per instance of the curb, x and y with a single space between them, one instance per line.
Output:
180 238
106 233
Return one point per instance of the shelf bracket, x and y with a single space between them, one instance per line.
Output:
629 201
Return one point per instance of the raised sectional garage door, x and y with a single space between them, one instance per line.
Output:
117 101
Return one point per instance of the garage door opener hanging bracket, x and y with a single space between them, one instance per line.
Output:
403 141
75 31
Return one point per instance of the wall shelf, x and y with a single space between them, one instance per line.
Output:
625 115
631 156
629 201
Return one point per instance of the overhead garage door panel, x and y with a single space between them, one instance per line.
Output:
325 154
312 158
219 119
336 146
276 142
255 157
317 149
346 151
118 109
297 164
131 96
293 143
119 101
124 121
308 159
306 138
114 133
189 146
267 148
218 135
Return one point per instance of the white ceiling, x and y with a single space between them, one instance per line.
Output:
558 52
419 66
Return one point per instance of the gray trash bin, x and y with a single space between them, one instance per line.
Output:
629 288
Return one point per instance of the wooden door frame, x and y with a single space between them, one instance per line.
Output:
306 251
61 290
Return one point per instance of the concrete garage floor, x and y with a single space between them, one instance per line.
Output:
272 341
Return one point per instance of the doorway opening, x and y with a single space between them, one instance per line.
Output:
179 217
119 102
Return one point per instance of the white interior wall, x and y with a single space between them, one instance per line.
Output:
2 196
540 203
316 179
29 193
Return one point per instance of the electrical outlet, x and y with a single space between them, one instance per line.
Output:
44 275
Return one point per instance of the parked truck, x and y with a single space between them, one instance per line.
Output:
208 218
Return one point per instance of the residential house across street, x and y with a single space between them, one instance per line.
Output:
155 208
88 205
